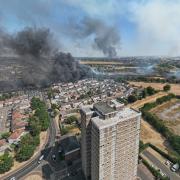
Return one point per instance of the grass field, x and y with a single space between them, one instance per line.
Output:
148 133
169 112
175 88
100 62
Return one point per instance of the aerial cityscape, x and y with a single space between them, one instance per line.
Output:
89 90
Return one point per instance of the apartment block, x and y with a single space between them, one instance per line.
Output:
110 141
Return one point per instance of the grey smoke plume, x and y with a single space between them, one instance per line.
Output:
41 64
106 38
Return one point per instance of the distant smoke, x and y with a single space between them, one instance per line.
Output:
35 51
106 38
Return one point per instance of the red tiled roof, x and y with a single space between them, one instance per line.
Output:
2 142
16 134
17 115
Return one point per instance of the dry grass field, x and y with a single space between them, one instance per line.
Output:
100 62
169 112
33 177
175 88
150 135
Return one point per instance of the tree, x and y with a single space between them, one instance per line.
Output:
150 90
167 87
5 135
71 119
34 126
26 147
132 98
54 106
6 162
144 93
25 152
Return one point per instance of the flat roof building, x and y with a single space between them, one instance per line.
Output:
110 141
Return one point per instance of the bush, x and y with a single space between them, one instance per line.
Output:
64 130
6 162
41 117
132 98
150 90
5 135
26 147
167 87
71 119
142 146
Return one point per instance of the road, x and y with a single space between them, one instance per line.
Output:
160 165
33 164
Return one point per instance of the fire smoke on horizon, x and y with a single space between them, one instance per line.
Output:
42 62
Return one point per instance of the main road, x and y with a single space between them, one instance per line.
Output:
161 166
33 163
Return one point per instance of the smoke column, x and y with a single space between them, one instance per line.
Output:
36 52
106 38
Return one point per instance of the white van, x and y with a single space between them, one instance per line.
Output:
40 159
175 167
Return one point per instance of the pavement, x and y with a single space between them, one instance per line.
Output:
165 169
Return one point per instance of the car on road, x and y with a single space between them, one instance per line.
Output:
40 159
54 157
13 178
175 167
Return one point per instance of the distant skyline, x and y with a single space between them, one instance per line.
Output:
145 27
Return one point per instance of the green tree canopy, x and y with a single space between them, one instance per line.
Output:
6 162
167 87
132 98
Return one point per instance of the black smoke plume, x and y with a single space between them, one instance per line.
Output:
106 38
35 52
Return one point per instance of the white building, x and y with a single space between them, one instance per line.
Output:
110 141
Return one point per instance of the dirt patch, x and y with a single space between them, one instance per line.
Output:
169 112
175 88
34 176
150 135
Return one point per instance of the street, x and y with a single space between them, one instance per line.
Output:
160 165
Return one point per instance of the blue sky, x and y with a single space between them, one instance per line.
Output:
145 27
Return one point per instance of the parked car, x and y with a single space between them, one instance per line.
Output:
54 157
175 167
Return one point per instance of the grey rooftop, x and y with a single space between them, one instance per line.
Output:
103 108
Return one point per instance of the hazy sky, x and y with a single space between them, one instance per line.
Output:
145 27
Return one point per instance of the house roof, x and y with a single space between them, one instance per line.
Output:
2 142
16 134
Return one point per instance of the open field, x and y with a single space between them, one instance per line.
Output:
100 62
169 112
175 88
150 135
34 176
